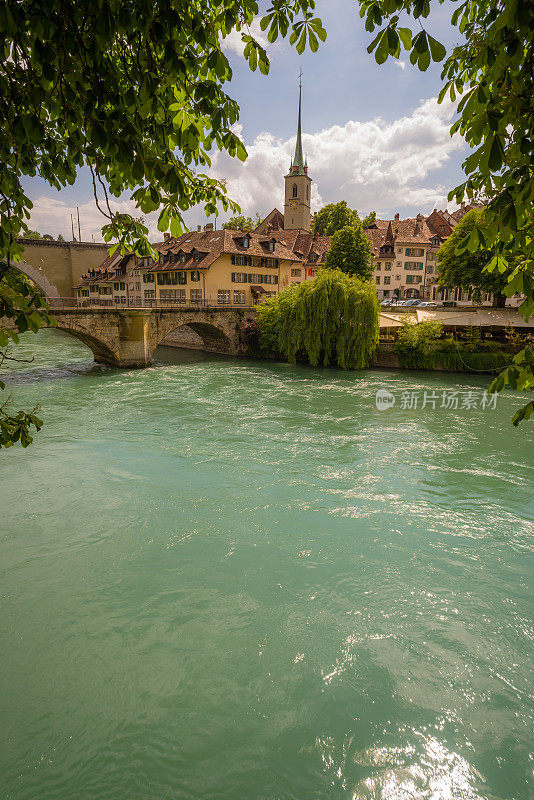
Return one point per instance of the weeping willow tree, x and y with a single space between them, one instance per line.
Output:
332 320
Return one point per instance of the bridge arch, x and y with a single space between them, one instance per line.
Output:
102 351
214 338
40 279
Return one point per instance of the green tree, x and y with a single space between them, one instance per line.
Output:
60 238
134 90
22 305
467 269
490 73
240 223
350 251
334 216
332 320
29 234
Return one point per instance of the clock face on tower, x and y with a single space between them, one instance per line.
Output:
293 205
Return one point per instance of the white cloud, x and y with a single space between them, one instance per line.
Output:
373 165
53 216
233 42
399 63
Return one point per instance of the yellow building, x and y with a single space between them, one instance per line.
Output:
214 268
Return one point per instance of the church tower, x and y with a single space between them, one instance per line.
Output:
297 186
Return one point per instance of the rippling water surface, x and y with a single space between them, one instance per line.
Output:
233 579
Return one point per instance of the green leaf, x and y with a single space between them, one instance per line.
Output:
405 36
437 50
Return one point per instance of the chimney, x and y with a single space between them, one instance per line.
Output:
396 217
199 228
166 235
208 226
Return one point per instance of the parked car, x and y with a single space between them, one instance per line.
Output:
428 304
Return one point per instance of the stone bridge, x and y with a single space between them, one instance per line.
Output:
128 337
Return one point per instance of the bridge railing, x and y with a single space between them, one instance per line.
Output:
77 303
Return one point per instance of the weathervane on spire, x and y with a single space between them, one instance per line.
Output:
300 77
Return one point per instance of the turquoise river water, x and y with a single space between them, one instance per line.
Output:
225 578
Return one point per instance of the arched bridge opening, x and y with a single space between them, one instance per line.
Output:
197 335
39 278
102 352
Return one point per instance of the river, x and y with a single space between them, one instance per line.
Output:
224 578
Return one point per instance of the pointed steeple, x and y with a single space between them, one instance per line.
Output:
298 160
298 165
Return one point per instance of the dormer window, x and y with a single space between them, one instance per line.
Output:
246 242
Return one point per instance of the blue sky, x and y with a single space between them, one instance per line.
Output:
374 134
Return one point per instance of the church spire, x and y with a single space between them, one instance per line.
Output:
298 167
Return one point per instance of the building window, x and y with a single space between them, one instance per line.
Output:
239 296
239 277
295 190
166 279
246 242
378 267
414 251
378 278
296 272
150 294
148 277
131 286
196 295
387 279
414 279
441 227
413 265
307 192
223 296
182 278
312 272
195 275
172 295
387 267
138 286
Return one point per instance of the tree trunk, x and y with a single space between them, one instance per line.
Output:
499 300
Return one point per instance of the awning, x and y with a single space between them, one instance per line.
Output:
258 290
482 317
389 321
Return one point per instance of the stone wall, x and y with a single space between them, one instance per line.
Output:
63 263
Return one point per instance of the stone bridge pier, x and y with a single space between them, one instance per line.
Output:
128 338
